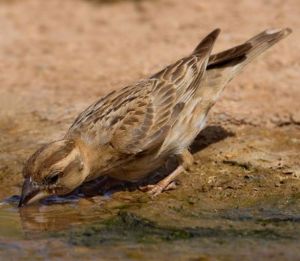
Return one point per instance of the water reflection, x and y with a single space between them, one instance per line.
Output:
57 214
43 218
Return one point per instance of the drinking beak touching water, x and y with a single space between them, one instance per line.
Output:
132 131
55 169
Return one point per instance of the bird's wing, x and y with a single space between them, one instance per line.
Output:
148 119
187 72
132 119
138 117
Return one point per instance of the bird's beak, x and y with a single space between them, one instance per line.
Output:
31 193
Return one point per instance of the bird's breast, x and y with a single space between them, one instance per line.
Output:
137 168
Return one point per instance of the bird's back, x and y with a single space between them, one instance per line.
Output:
137 118
163 114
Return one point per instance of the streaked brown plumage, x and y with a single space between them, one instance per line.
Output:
132 131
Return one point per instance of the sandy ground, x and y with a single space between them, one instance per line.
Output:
56 57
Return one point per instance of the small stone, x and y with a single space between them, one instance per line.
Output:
295 117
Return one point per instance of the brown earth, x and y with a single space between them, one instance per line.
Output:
241 198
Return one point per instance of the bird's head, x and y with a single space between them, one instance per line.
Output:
55 169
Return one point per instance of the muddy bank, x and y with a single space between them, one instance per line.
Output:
225 207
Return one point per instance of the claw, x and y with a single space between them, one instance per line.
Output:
155 190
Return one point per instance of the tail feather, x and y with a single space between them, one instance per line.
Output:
248 51
224 66
222 58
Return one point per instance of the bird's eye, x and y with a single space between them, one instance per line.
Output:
52 179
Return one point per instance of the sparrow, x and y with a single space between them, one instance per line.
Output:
131 132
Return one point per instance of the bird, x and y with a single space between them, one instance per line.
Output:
130 132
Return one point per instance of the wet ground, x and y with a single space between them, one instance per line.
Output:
241 198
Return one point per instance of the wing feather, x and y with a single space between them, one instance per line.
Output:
138 118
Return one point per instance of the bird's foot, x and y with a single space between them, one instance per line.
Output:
156 189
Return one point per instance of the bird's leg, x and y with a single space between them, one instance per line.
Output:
185 161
